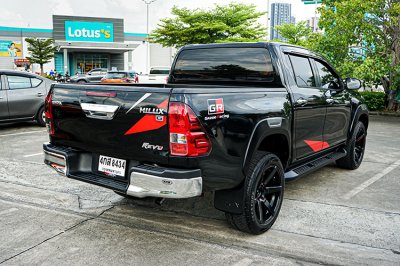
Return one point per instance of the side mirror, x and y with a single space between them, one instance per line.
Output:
89 73
353 84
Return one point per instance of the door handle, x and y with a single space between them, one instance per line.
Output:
99 111
39 94
330 100
301 101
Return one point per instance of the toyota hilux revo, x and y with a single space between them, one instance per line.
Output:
236 119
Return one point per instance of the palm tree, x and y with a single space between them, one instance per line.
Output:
42 51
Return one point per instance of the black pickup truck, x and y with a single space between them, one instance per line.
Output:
237 119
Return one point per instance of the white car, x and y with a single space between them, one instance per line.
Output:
158 75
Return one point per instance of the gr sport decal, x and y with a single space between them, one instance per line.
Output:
215 106
216 109
316 145
149 121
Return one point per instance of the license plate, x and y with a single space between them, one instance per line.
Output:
112 166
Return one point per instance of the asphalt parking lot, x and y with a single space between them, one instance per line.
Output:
332 216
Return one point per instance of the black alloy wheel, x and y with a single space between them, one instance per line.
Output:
263 195
355 148
359 146
268 195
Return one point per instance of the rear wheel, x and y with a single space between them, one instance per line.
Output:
355 148
264 187
40 117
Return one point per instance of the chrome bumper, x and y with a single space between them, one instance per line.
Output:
144 180
145 185
56 161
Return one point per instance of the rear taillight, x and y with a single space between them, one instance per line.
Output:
186 134
48 114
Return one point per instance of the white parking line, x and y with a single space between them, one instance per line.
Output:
8 211
372 180
22 133
31 155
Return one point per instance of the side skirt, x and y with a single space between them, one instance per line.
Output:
313 165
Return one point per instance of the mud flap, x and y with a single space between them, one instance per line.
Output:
230 200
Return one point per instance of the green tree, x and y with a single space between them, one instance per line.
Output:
233 22
295 33
368 32
41 50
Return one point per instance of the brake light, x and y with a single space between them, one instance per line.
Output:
48 113
187 136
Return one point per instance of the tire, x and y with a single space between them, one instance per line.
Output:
81 81
40 118
263 195
355 148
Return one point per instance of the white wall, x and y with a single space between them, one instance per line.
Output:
139 58
159 56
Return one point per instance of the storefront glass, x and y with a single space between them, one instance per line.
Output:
86 62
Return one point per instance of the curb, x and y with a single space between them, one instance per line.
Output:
392 114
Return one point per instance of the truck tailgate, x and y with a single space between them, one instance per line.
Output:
122 122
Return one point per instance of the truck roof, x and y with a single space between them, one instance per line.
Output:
286 46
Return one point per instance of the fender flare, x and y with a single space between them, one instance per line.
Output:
231 200
263 129
361 110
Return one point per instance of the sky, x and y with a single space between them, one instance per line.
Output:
38 13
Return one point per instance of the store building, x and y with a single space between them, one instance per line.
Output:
84 43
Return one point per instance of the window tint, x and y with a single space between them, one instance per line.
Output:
159 71
35 82
328 79
18 82
225 64
302 71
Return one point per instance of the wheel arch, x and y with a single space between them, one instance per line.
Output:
360 114
270 139
38 110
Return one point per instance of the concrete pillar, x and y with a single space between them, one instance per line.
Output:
130 64
66 66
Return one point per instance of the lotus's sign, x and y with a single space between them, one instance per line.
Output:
83 31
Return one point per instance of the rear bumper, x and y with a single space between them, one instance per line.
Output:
142 180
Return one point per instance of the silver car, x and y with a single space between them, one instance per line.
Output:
22 96
94 75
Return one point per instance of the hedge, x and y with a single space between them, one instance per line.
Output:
374 100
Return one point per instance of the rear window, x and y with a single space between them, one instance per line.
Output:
225 65
115 75
159 71
19 82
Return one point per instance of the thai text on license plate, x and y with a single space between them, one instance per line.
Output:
112 166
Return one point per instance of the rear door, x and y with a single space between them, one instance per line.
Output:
121 122
309 108
338 104
3 100
25 95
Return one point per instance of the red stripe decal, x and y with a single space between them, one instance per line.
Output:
316 145
148 122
